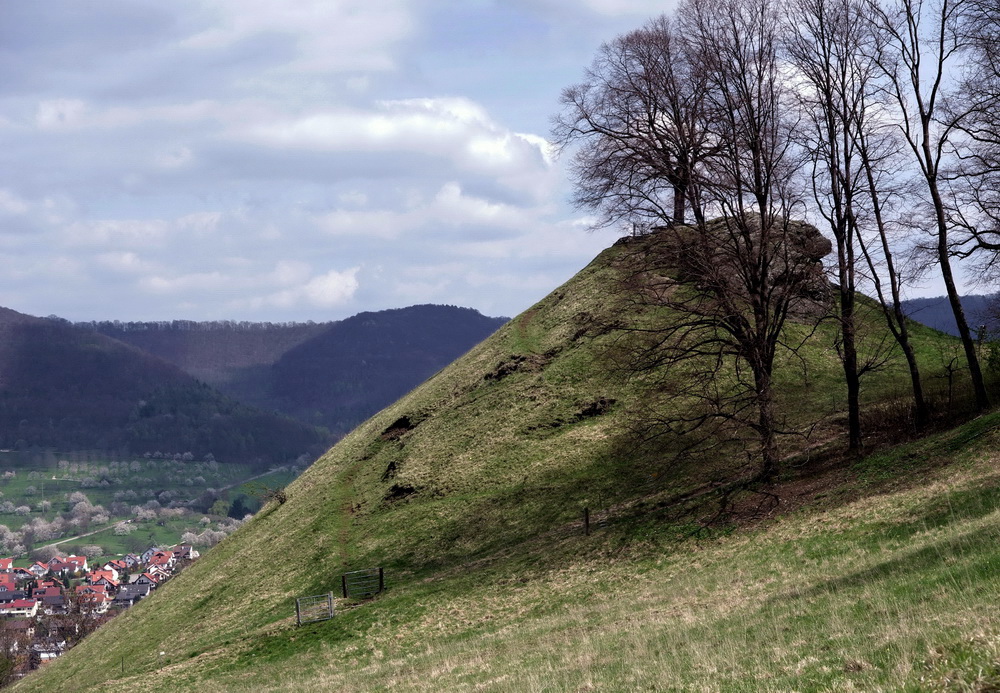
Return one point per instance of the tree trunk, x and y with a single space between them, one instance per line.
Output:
944 259
850 358
765 425
680 198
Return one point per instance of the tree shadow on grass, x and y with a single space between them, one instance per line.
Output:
970 556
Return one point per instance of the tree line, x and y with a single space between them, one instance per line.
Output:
721 123
108 326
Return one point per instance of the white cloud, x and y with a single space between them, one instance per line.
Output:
570 10
124 262
324 291
449 207
332 288
252 159
174 158
290 272
12 204
200 223
613 8
185 283
457 129
328 36
118 232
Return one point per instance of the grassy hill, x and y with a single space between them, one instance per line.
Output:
872 574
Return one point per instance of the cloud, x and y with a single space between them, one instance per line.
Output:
614 8
575 11
118 232
60 113
251 159
124 263
448 208
11 204
457 129
347 35
325 291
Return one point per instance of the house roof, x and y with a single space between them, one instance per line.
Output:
142 589
19 604
6 563
92 589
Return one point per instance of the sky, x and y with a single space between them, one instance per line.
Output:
290 160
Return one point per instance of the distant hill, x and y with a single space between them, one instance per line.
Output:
214 352
364 363
70 388
333 374
936 312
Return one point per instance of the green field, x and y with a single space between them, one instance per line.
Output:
39 488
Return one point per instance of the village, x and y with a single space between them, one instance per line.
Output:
48 607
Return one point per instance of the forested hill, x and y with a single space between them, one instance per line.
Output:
936 312
362 364
332 374
214 352
70 388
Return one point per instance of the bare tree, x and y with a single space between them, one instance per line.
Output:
923 42
730 283
711 353
877 149
750 182
854 172
822 40
976 196
638 121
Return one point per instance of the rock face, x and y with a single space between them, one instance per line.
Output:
721 255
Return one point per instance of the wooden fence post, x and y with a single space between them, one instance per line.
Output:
381 581
586 522
343 584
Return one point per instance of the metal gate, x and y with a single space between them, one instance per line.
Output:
363 584
316 608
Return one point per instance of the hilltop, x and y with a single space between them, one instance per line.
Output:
469 492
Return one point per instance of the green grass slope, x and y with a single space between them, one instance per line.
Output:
469 492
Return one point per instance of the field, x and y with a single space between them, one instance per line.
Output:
41 495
